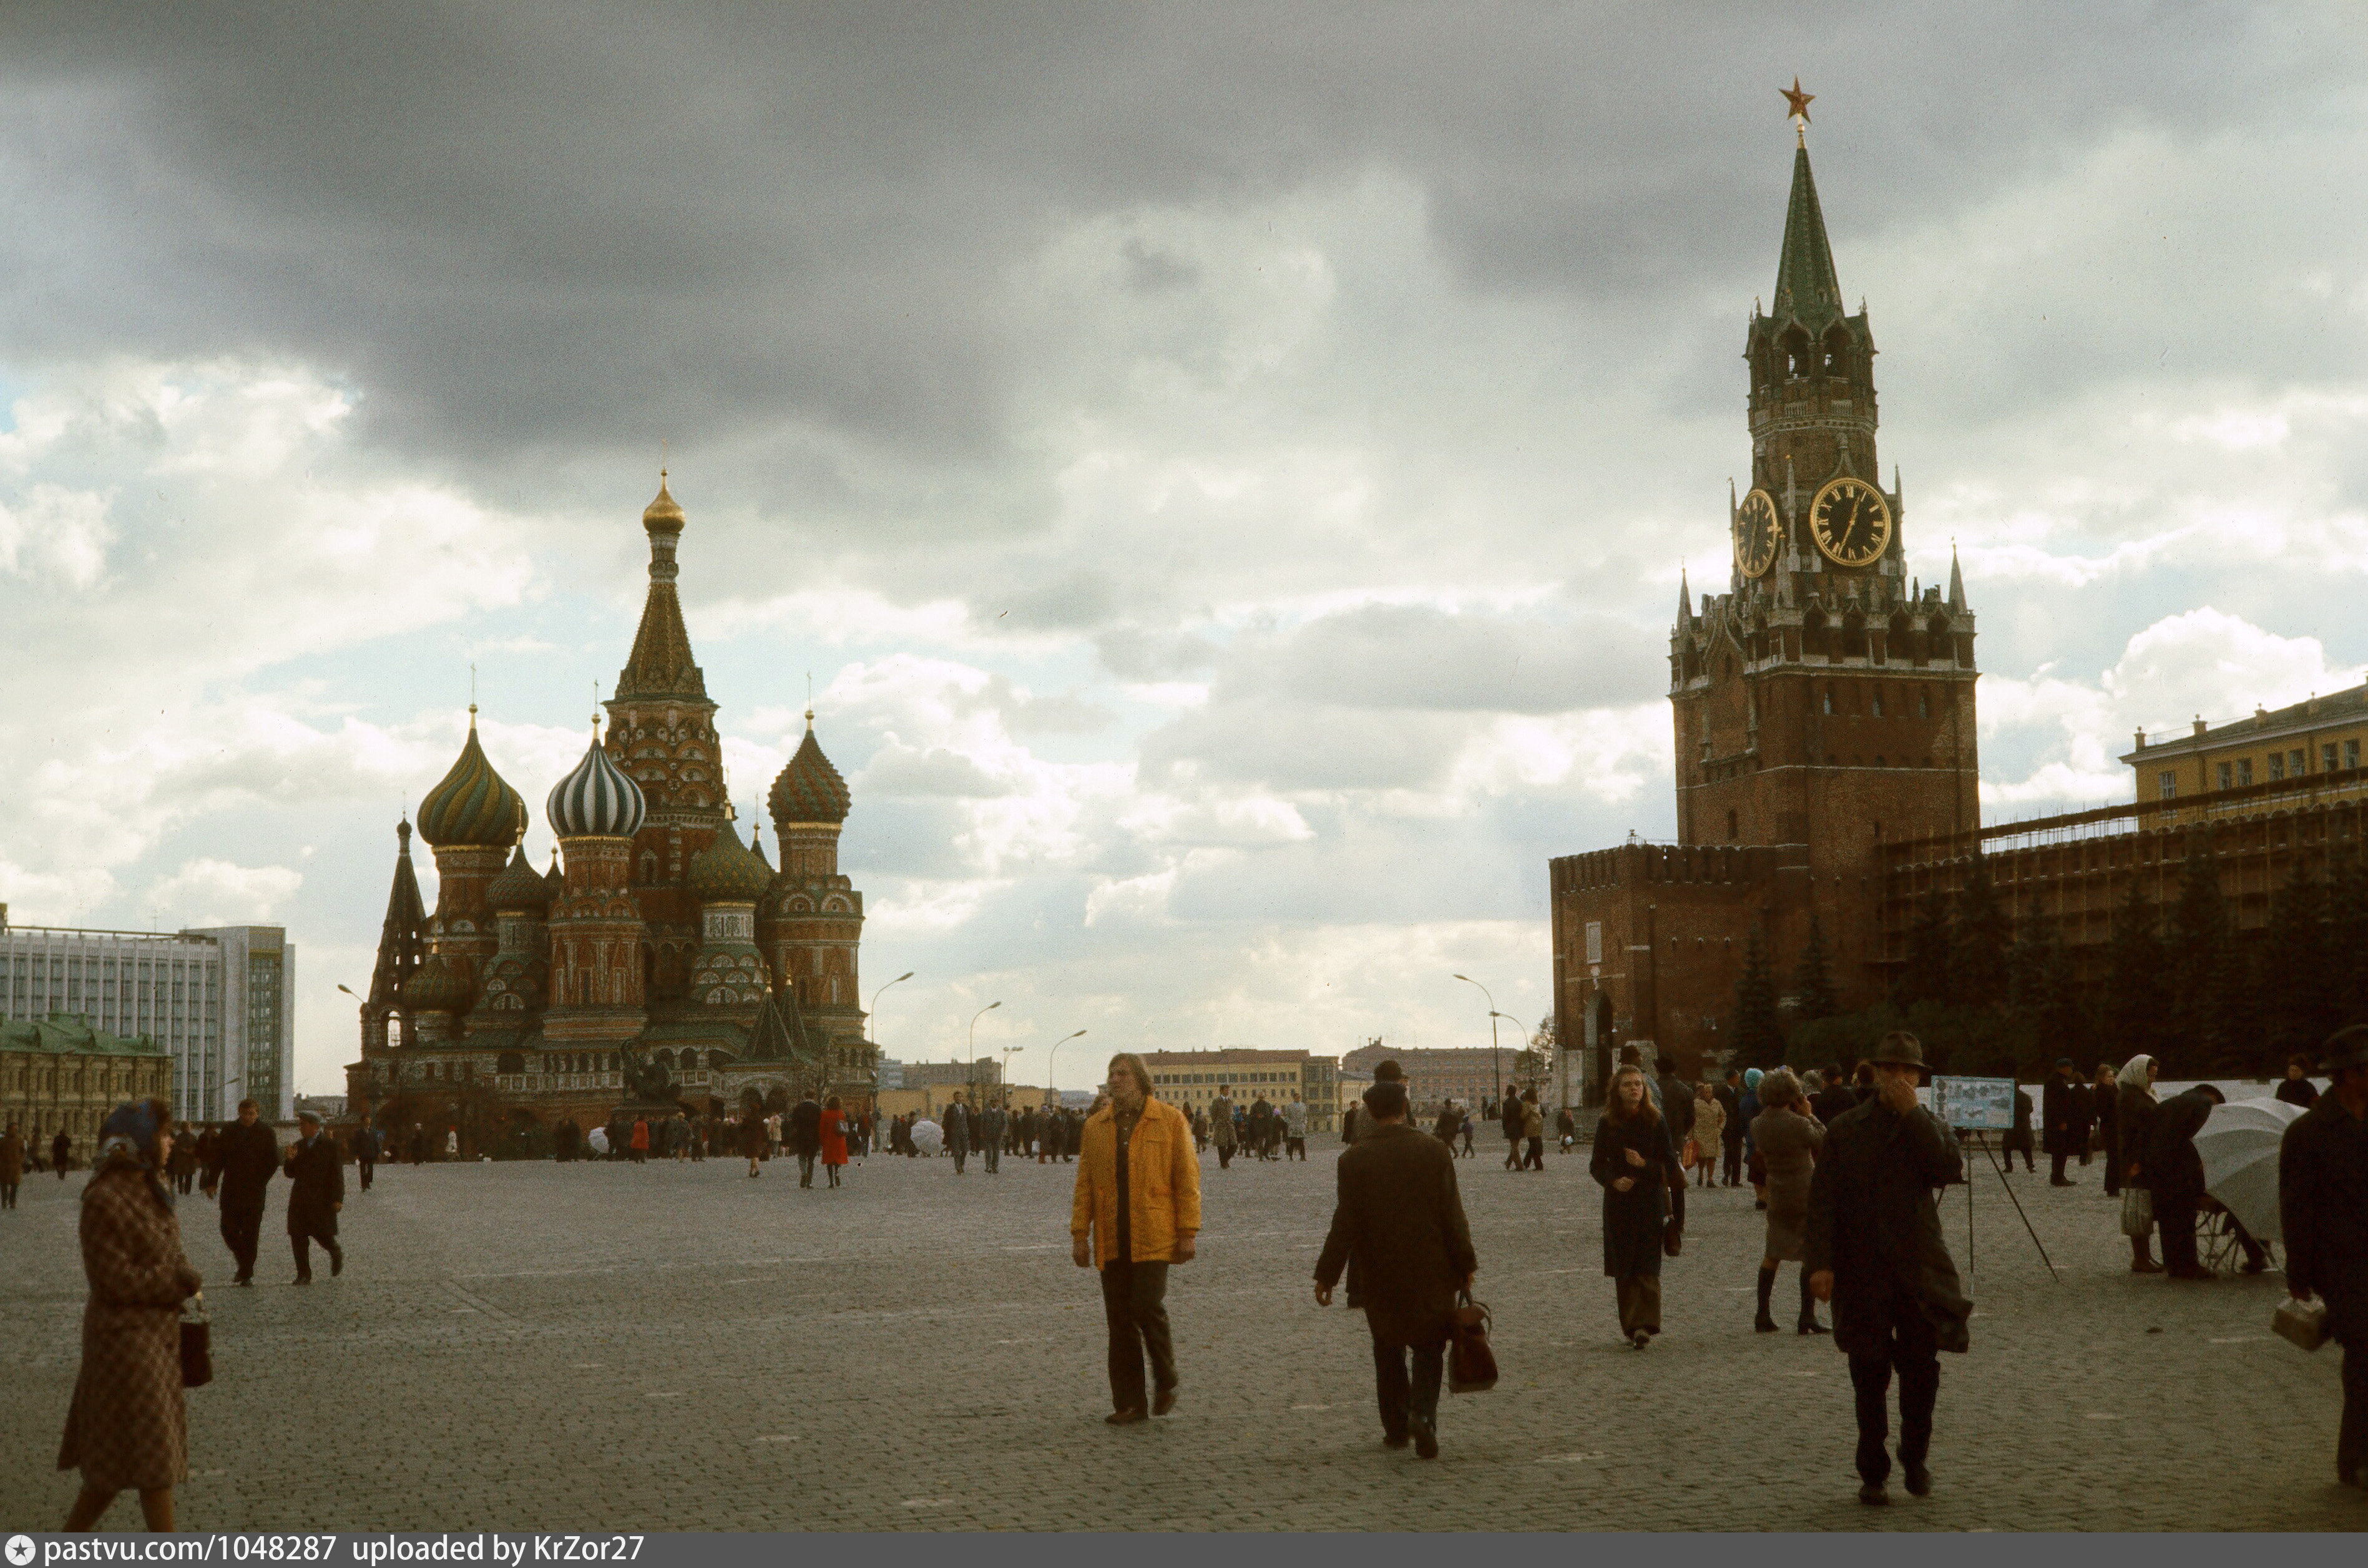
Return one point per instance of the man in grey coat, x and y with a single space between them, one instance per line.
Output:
1221 1125
954 1122
993 1122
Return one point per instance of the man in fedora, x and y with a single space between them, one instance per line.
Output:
1875 1251
2323 1209
1400 1221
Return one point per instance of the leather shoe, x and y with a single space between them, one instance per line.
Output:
2148 1266
1919 1481
1395 1439
1872 1494
1162 1402
1124 1417
1425 1439
1811 1325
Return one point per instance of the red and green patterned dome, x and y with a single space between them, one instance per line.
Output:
725 872
809 788
473 807
434 988
520 889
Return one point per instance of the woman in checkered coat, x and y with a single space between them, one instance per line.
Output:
127 1428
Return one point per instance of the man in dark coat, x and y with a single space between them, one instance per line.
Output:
365 1153
1400 1218
1875 1251
954 1122
1729 1094
2175 1171
806 1137
1677 1104
1833 1099
2018 1139
992 1126
316 1191
2064 1113
2323 1209
245 1156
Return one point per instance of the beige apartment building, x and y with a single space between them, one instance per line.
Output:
2313 748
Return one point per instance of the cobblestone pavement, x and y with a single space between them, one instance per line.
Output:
678 1346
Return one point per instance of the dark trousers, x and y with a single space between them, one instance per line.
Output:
993 1155
1295 1147
1135 1298
2113 1170
1536 1158
2055 1165
1224 1156
1735 1161
7 1195
960 1152
366 1169
242 1226
301 1243
1915 1353
2352 1440
1405 1399
2174 1214
805 1169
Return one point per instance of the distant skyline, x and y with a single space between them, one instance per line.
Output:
1226 469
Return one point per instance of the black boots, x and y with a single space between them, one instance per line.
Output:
1765 1323
1809 1324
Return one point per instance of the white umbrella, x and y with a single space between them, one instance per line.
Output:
928 1137
598 1139
2238 1145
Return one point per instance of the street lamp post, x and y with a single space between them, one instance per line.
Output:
1049 1057
974 1018
871 1035
1496 1062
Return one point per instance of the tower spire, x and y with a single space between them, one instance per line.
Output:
1807 289
1685 599
661 663
1956 579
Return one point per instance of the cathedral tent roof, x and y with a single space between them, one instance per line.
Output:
1807 290
661 664
401 939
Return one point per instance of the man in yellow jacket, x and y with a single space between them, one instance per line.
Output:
1141 1149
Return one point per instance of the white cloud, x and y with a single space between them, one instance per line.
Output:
221 894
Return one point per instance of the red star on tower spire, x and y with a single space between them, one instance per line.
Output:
1797 102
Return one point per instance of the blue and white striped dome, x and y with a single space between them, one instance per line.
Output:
597 801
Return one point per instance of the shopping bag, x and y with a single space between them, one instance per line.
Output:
2137 1212
196 1344
1471 1365
2300 1323
1692 1154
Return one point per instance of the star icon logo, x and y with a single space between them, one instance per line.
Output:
20 1550
1797 101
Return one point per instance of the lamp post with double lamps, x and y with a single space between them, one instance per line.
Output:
1496 1062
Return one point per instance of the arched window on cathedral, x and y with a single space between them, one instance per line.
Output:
1837 351
1798 359
649 867
1899 638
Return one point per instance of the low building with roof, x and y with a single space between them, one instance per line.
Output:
59 1073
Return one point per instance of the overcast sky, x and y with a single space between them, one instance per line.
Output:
1225 469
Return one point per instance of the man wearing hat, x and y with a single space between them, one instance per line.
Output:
1398 1226
2065 1117
1875 1251
2323 1209
247 1153
317 1182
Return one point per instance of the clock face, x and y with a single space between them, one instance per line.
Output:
1851 522
1757 534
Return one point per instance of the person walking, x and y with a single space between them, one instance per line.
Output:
2104 1105
2018 1138
2297 1088
1565 1130
955 1125
992 1126
2064 1123
804 1134
1399 1217
752 1142
316 1183
1754 1169
183 1168
2323 1210
61 1153
1533 1130
452 1144
830 1138
1788 1136
1509 1115
366 1153
2133 1115
1676 1103
1135 1210
1710 1132
1221 1125
639 1141
1294 1129
1730 1100
1637 1167
1876 1252
127 1428
246 1156
12 1165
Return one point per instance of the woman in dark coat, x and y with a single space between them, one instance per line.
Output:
2134 1113
2106 1099
1636 1166
128 1427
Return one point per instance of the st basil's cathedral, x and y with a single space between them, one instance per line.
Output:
659 960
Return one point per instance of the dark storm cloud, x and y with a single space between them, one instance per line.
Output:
537 235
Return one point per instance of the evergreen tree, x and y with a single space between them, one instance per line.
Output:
1812 987
1977 967
1758 1037
2296 992
2133 996
1924 977
2231 1044
2193 950
2347 940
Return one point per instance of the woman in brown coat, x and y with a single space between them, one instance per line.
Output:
126 1427
1788 1137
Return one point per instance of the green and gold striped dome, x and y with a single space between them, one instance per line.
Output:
473 807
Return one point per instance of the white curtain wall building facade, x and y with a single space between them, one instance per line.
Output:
220 1000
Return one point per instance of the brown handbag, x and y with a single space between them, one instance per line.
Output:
1471 1365
196 1344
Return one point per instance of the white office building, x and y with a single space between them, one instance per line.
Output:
222 1000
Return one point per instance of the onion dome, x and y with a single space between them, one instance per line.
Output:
664 512
597 801
724 872
473 807
809 788
435 988
520 889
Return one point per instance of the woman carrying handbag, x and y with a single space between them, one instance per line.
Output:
1637 1167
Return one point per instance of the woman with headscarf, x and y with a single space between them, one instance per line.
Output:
2133 1115
1788 1137
1636 1166
128 1427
